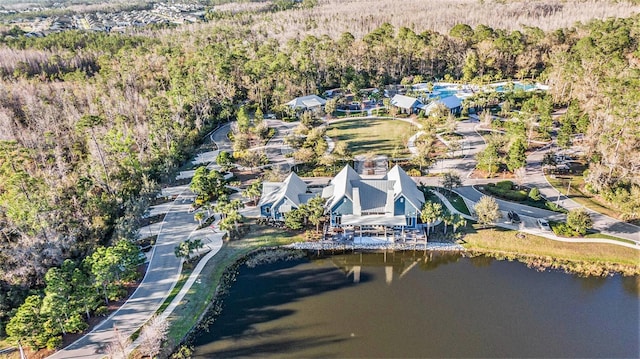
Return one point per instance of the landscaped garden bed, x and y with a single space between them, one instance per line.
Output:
506 190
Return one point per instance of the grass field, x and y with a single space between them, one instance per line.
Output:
592 257
456 201
376 136
562 184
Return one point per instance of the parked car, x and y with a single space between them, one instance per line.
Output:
544 224
513 216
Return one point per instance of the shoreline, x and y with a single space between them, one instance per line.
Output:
542 263
397 246
283 252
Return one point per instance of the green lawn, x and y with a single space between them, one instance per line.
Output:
456 201
561 183
376 136
584 258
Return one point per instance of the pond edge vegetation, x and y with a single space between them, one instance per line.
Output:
271 254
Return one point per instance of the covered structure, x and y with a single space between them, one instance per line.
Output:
407 104
452 103
279 198
373 204
305 103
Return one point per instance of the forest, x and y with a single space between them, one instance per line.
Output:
92 123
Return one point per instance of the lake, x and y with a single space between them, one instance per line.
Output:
412 305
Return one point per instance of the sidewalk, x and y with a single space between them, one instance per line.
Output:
537 232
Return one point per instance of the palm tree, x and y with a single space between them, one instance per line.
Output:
195 244
199 216
458 221
447 219
430 212
253 191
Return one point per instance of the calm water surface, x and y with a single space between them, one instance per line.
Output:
400 305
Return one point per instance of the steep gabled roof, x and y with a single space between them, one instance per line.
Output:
451 102
373 194
270 191
309 101
404 185
405 101
341 184
292 188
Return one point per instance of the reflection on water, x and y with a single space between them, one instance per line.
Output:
412 304
393 262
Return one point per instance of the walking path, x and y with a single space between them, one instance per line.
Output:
161 276
164 268
528 225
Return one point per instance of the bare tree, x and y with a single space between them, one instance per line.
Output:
152 336
117 349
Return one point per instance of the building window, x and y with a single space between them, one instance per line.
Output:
267 210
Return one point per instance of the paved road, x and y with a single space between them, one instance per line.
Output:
220 137
162 274
474 195
601 222
472 144
276 148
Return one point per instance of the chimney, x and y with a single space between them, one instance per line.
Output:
389 206
357 208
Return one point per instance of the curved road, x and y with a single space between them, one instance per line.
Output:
605 224
162 274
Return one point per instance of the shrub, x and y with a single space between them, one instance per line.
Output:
534 194
511 195
54 342
102 311
563 230
553 206
579 220
414 172
506 185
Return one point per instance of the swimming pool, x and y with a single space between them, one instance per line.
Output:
516 86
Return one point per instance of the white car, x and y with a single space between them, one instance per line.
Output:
544 224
